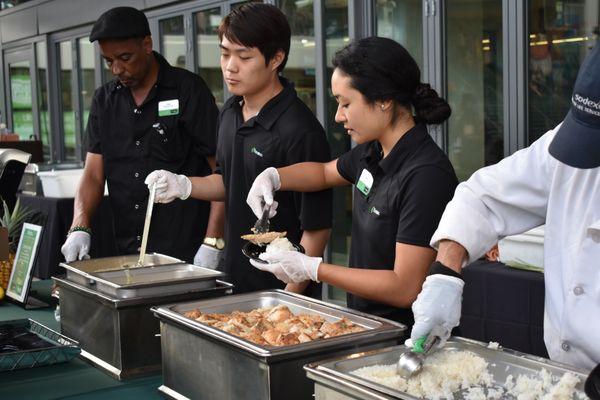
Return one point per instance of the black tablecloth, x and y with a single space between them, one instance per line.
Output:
57 215
504 305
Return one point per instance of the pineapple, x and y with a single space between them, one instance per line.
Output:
14 223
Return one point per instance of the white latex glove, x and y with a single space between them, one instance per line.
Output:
207 256
261 192
169 186
289 266
77 246
438 304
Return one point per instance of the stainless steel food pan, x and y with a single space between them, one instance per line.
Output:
79 271
153 281
334 378
201 362
297 304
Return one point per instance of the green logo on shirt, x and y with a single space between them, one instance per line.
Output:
254 151
375 211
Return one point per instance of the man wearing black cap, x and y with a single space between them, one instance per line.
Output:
555 181
152 116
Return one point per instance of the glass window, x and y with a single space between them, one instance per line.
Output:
20 99
172 41
402 20
87 80
300 67
335 29
4 4
42 95
107 75
68 112
208 53
561 34
475 131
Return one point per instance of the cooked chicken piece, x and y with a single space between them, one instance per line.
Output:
263 238
287 339
303 338
279 314
312 321
261 326
271 336
194 314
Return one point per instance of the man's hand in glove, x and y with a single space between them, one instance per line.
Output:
169 186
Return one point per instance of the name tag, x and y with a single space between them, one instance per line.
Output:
168 107
365 182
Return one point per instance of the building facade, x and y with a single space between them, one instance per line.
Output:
507 67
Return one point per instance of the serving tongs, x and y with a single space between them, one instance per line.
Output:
262 224
411 362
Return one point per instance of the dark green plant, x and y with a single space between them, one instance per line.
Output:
13 222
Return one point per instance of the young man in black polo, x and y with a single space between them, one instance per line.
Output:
264 124
151 116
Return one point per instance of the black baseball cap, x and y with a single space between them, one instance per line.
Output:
120 23
577 142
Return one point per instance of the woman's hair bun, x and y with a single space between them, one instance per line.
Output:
429 107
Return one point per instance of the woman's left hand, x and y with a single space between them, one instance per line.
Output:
290 266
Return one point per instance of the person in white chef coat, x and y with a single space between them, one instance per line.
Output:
555 181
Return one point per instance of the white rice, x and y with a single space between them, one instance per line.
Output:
448 372
443 373
280 244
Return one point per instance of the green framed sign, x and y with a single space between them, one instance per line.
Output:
20 277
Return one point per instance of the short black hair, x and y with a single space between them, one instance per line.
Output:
382 69
258 25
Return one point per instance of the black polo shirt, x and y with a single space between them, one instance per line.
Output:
135 141
408 194
285 132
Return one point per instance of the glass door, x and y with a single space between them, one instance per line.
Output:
207 51
20 93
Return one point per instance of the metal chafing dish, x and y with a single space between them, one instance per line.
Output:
202 362
334 379
107 308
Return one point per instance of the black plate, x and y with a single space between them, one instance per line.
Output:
592 384
252 251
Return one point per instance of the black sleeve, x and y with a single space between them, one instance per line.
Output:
428 191
315 208
199 116
218 169
348 164
92 130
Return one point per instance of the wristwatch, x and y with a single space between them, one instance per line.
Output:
217 243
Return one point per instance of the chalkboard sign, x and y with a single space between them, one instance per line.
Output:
20 277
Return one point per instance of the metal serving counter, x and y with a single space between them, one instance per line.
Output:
334 379
202 362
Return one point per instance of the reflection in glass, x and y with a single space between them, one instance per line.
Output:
42 96
68 112
20 99
208 53
335 29
172 41
561 34
475 129
87 81
300 67
402 20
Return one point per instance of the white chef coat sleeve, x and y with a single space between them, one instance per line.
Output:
500 200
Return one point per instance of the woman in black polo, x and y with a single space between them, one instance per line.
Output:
402 181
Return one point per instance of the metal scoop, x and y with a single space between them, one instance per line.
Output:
262 225
411 362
